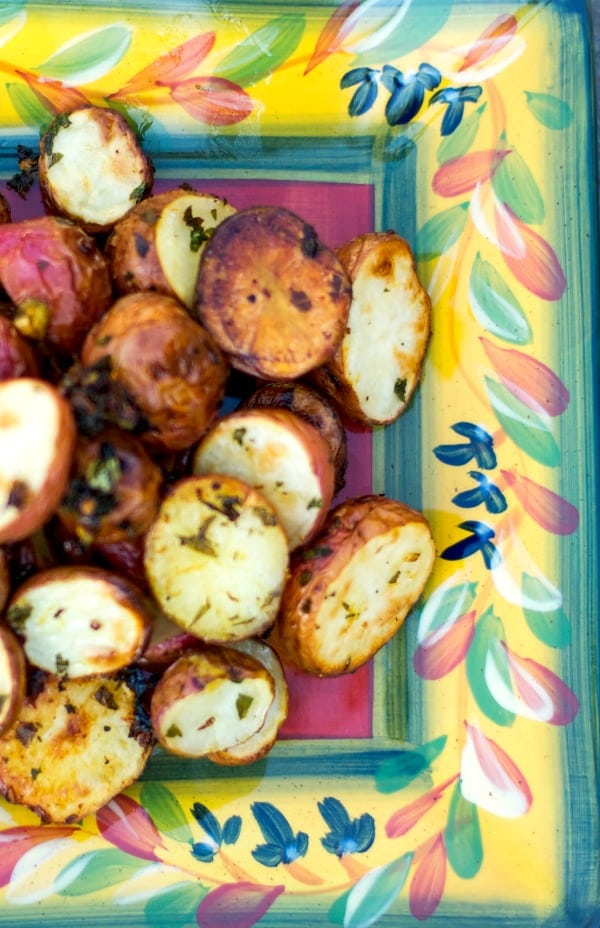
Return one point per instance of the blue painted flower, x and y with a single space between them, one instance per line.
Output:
455 99
479 540
346 835
485 492
366 81
281 846
216 835
479 447
407 91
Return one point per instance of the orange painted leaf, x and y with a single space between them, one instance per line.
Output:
528 256
461 175
212 100
55 96
173 66
335 30
542 693
551 511
444 648
532 382
491 40
429 880
401 821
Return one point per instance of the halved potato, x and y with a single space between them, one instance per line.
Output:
261 742
377 365
273 296
280 454
351 589
92 168
79 621
158 245
12 677
210 699
217 558
37 442
74 746
167 642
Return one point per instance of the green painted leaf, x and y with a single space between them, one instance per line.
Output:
28 107
515 185
88 56
9 11
549 625
440 232
176 905
460 141
338 909
462 836
551 111
489 630
495 306
165 811
421 23
401 767
445 603
261 53
526 428
100 869
375 892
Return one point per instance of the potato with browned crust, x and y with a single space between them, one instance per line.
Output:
377 365
165 362
158 245
274 297
92 168
351 589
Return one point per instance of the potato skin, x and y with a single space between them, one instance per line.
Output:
5 211
12 675
17 358
165 361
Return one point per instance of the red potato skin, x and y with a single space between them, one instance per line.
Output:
166 362
57 278
5 581
17 357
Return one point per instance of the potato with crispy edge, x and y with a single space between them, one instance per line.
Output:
79 621
75 745
158 245
12 677
377 365
210 699
273 296
92 168
37 443
351 589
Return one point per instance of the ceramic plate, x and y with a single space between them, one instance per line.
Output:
455 778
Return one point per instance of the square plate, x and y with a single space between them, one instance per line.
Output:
455 778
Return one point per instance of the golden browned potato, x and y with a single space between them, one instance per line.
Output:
113 490
274 297
74 745
351 589
37 443
217 557
92 168
12 677
280 454
158 245
164 362
310 404
79 621
57 279
210 699
377 365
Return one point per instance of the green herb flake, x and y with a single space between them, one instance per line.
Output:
174 731
310 554
400 389
266 516
62 665
104 696
35 772
200 542
394 577
242 704
138 193
238 435
199 234
314 503
305 577
18 614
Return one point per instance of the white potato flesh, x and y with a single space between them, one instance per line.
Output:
217 558
181 232
282 456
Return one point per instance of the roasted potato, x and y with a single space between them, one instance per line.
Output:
5 211
377 365
158 245
37 442
17 357
167 642
351 589
92 168
217 557
209 700
273 296
113 491
79 621
75 745
165 363
12 677
57 278
280 454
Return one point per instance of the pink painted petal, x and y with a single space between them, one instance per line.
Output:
236 904
461 175
400 822
174 65
212 100
546 697
15 842
531 381
126 825
490 779
551 511
491 40
428 883
528 256
444 648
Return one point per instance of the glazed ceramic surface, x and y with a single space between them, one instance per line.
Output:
454 779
